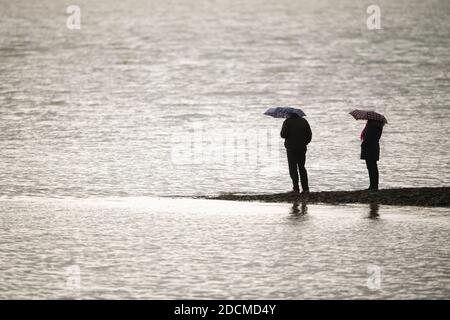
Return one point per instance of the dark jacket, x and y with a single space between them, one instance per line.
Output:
370 147
296 132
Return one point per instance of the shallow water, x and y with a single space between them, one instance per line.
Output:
107 110
183 248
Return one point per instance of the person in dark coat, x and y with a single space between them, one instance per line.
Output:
370 150
297 134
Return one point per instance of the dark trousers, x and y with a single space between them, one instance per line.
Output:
296 159
372 167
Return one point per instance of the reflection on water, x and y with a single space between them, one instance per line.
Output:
181 248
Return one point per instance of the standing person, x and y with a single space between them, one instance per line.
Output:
370 150
297 134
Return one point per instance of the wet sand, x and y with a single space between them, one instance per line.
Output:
424 197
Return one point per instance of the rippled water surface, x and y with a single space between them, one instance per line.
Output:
181 248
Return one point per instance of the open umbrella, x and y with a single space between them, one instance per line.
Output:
368 115
282 112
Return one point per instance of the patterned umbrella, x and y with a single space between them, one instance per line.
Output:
368 115
282 112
